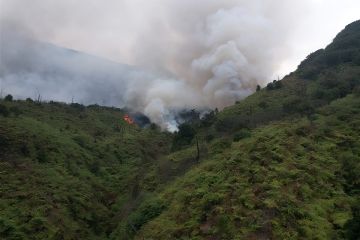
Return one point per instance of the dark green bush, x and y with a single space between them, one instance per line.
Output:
184 136
78 106
42 156
209 137
223 226
351 172
81 140
4 110
243 133
353 225
312 65
8 98
8 230
263 105
148 210
229 124
270 86
94 167
274 85
356 91
298 105
15 110
219 146
37 224
208 119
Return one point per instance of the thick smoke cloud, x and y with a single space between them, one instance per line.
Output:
188 54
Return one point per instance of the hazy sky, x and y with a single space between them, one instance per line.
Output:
188 53
114 29
322 21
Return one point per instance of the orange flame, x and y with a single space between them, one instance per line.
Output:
128 119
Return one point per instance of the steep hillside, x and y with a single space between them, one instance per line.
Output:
282 164
70 172
287 180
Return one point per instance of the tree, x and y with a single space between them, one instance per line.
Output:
270 86
184 136
208 119
274 85
277 84
8 98
258 88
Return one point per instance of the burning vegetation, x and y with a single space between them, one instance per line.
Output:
128 119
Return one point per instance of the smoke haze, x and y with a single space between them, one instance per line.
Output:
174 54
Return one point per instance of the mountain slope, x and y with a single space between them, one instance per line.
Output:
282 164
286 181
68 171
293 167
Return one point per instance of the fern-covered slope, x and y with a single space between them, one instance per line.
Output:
283 163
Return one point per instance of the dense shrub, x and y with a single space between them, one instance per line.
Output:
81 140
263 105
78 106
42 156
351 172
184 136
94 167
332 85
4 110
8 230
353 225
298 105
344 49
243 133
209 137
312 65
147 211
208 119
274 85
228 124
356 91
219 146
8 98
15 110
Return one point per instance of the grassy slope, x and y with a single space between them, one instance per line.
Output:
295 177
69 172
284 182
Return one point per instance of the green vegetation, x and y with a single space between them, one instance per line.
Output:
283 163
183 136
71 172
286 181
8 98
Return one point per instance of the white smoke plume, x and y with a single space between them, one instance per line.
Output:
188 54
